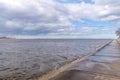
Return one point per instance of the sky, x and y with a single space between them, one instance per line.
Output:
59 18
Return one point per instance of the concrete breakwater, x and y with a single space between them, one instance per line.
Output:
56 72
105 65
27 59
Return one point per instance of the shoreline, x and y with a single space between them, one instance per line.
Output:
103 67
2 38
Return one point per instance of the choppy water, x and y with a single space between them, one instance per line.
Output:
21 59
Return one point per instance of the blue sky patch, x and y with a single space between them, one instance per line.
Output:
77 23
92 23
97 23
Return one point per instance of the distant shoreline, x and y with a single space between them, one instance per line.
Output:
7 38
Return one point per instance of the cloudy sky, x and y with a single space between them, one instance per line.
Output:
59 18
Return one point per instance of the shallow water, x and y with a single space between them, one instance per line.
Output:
105 65
21 59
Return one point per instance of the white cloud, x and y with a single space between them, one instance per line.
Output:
111 18
34 14
11 24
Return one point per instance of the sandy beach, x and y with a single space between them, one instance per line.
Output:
118 40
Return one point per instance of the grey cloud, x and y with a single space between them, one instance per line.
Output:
51 18
111 9
37 17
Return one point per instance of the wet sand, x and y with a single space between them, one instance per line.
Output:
105 65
